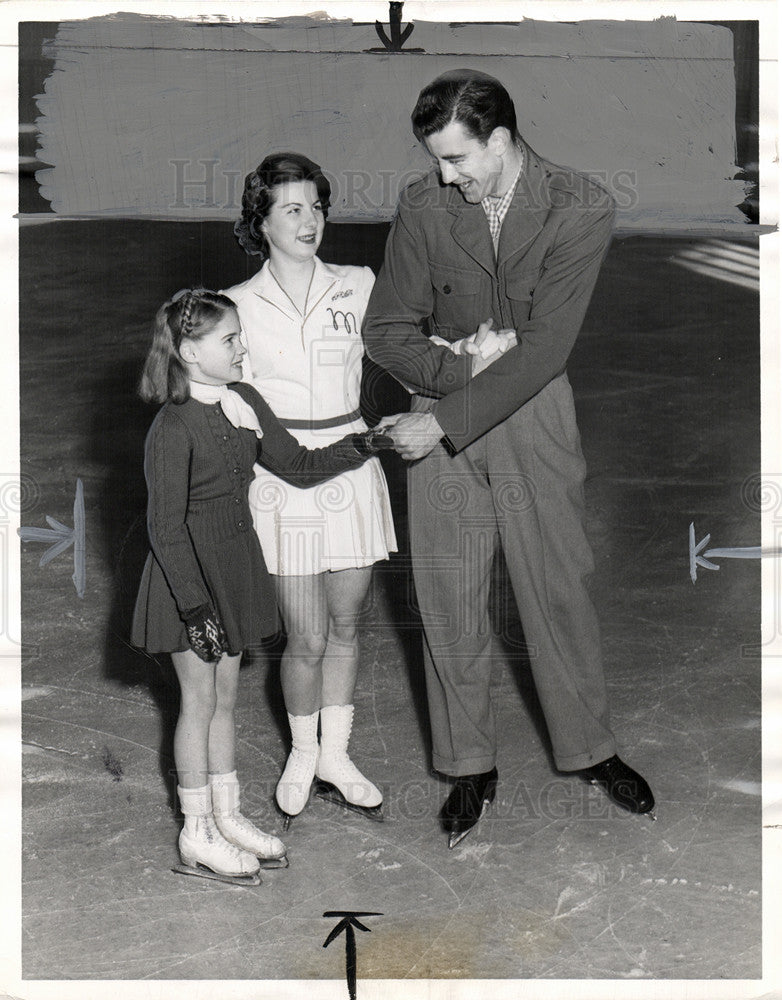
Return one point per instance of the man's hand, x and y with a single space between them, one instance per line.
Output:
481 363
414 434
485 343
488 345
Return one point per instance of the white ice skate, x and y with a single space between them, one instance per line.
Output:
237 829
293 788
204 851
339 780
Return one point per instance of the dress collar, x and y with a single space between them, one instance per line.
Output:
266 287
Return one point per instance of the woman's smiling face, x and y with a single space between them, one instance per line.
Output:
294 225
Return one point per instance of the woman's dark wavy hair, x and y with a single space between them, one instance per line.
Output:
190 314
474 99
258 196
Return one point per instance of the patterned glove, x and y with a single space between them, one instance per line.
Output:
205 633
371 442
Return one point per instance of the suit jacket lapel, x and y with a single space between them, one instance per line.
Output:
470 230
528 209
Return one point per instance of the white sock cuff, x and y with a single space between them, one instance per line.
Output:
195 801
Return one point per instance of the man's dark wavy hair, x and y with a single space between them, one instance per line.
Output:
474 99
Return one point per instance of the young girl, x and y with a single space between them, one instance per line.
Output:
205 594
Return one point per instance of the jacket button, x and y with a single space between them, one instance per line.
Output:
240 524
237 470
447 289
237 500
225 437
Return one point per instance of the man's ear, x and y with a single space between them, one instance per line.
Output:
499 140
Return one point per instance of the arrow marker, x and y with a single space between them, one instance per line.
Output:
398 35
696 559
63 537
346 924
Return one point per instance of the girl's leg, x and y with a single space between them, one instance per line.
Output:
200 842
302 601
346 591
198 700
226 798
222 729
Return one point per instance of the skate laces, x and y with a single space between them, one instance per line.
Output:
207 832
246 825
300 761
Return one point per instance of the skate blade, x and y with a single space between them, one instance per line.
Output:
202 872
330 793
270 863
287 818
457 838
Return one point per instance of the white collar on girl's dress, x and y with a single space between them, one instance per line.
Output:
239 413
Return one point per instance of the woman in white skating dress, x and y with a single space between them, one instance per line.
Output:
301 321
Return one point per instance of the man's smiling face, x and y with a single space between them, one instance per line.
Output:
466 162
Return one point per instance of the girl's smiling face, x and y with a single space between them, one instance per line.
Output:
294 226
216 357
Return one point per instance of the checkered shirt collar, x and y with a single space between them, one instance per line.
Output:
497 208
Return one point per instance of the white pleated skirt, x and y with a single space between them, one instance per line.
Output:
344 523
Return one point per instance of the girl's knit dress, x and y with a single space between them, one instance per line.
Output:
198 468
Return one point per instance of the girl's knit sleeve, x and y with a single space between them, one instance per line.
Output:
281 453
167 457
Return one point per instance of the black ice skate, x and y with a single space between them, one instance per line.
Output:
622 785
469 799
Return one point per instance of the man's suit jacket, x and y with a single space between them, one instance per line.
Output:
440 276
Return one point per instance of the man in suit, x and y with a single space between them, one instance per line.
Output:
496 237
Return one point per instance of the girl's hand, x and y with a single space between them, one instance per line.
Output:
371 442
205 634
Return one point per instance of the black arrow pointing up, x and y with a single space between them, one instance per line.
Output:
346 924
